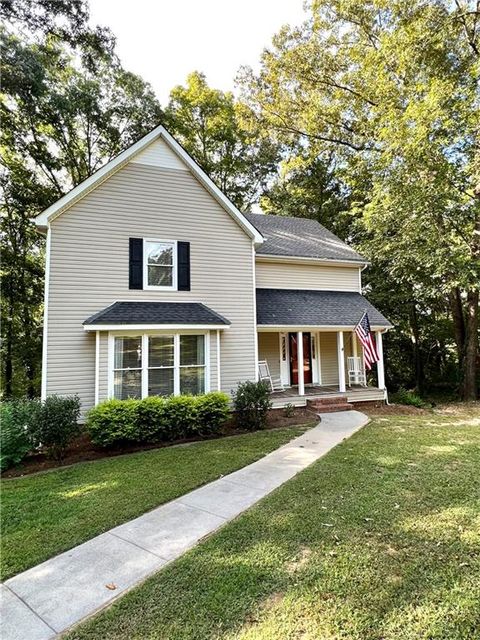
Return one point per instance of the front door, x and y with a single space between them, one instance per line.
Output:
307 358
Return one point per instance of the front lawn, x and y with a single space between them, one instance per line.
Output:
47 513
380 539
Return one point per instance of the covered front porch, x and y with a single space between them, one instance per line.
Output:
327 365
290 395
307 339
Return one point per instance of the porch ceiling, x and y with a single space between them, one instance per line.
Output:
305 308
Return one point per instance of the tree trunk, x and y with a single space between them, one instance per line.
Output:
9 353
417 355
458 318
470 390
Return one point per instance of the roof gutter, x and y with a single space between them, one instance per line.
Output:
270 257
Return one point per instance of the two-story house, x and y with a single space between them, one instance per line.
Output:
156 283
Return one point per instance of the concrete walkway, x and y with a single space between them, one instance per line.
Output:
47 599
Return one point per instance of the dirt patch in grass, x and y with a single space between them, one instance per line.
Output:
373 409
83 450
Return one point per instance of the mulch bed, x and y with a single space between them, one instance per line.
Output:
83 450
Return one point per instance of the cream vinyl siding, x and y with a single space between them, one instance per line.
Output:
278 275
269 350
328 358
159 154
89 264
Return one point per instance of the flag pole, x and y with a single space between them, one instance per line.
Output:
362 317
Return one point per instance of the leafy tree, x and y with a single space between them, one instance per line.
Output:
66 20
222 137
62 119
391 89
309 186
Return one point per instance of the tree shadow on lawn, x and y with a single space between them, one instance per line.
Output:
369 543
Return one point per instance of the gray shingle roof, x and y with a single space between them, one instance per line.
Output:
314 308
157 313
300 237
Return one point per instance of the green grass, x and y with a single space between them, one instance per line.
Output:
45 514
380 539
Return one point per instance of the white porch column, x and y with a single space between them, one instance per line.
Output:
301 371
341 363
97 366
355 355
380 368
219 373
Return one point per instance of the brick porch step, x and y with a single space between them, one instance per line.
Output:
327 400
328 405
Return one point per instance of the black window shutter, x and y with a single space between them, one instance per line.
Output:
183 261
135 272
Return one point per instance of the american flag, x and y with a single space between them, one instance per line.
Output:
365 336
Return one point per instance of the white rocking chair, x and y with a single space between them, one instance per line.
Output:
264 376
356 373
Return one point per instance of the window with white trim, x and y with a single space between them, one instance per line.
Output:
160 264
159 365
127 367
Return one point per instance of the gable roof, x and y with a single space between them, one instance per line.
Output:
78 192
300 237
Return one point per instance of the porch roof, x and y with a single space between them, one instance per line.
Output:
305 308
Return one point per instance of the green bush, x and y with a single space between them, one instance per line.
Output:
57 424
251 402
156 419
113 422
152 420
212 411
289 410
180 417
17 419
402 396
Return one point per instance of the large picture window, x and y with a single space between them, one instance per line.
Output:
160 264
158 365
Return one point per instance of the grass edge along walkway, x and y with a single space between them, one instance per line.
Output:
378 539
49 513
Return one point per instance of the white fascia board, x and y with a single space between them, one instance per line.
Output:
102 174
319 327
89 183
264 257
153 327
212 188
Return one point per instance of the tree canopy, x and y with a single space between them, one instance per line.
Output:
217 131
391 90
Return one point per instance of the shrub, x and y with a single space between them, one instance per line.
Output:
113 422
251 401
402 396
17 420
57 424
180 416
289 410
156 419
152 420
212 411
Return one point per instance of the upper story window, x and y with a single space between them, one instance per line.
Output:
160 264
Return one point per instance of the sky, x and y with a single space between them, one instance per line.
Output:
164 40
